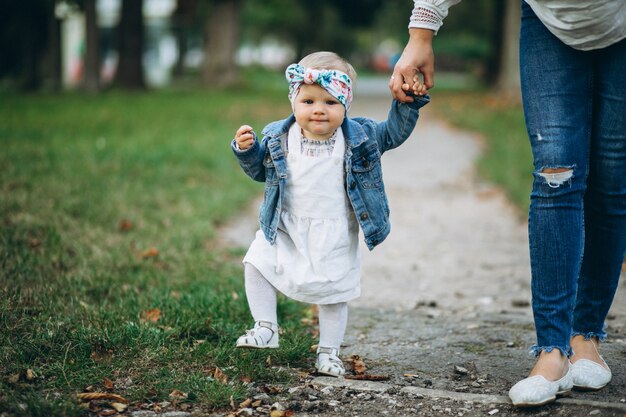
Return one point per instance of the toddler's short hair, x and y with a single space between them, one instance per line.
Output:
328 61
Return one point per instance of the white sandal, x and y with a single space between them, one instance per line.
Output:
328 362
253 339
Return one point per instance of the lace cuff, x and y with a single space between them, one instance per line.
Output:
429 14
425 18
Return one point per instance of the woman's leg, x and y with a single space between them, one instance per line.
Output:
605 203
557 87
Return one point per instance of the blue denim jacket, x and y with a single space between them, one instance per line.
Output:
366 141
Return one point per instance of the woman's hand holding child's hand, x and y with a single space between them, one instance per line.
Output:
244 138
419 88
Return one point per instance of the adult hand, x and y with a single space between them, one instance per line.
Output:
417 57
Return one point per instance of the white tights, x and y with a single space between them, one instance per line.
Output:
262 301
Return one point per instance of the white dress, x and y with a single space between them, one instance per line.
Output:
315 257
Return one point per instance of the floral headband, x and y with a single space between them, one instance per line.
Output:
337 83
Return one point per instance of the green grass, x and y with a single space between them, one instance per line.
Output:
88 184
507 159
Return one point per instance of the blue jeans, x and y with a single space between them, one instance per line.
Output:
575 111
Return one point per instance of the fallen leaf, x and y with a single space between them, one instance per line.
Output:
108 384
30 375
151 316
271 389
99 355
358 366
34 242
220 376
368 377
119 407
257 403
150 253
277 413
268 361
91 396
178 395
246 403
14 379
246 379
125 225
93 407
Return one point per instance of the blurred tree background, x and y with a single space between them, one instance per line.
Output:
139 44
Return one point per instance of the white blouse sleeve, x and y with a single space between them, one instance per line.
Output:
429 14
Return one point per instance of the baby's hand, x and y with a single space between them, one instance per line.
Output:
244 138
419 89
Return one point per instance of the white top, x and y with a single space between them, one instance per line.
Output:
581 24
315 257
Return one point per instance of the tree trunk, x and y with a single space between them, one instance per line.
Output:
508 81
223 30
130 70
53 56
92 52
182 19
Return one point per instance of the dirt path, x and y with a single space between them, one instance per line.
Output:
444 309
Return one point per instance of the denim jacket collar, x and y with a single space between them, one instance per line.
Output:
352 131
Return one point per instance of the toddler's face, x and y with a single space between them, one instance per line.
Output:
317 112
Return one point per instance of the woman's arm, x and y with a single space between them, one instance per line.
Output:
418 56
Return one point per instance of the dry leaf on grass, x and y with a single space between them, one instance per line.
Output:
150 316
149 253
94 396
101 356
178 395
108 384
125 225
220 376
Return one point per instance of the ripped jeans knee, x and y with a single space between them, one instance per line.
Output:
556 177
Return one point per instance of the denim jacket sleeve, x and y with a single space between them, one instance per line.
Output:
399 124
251 160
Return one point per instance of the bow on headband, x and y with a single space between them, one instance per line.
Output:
336 82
